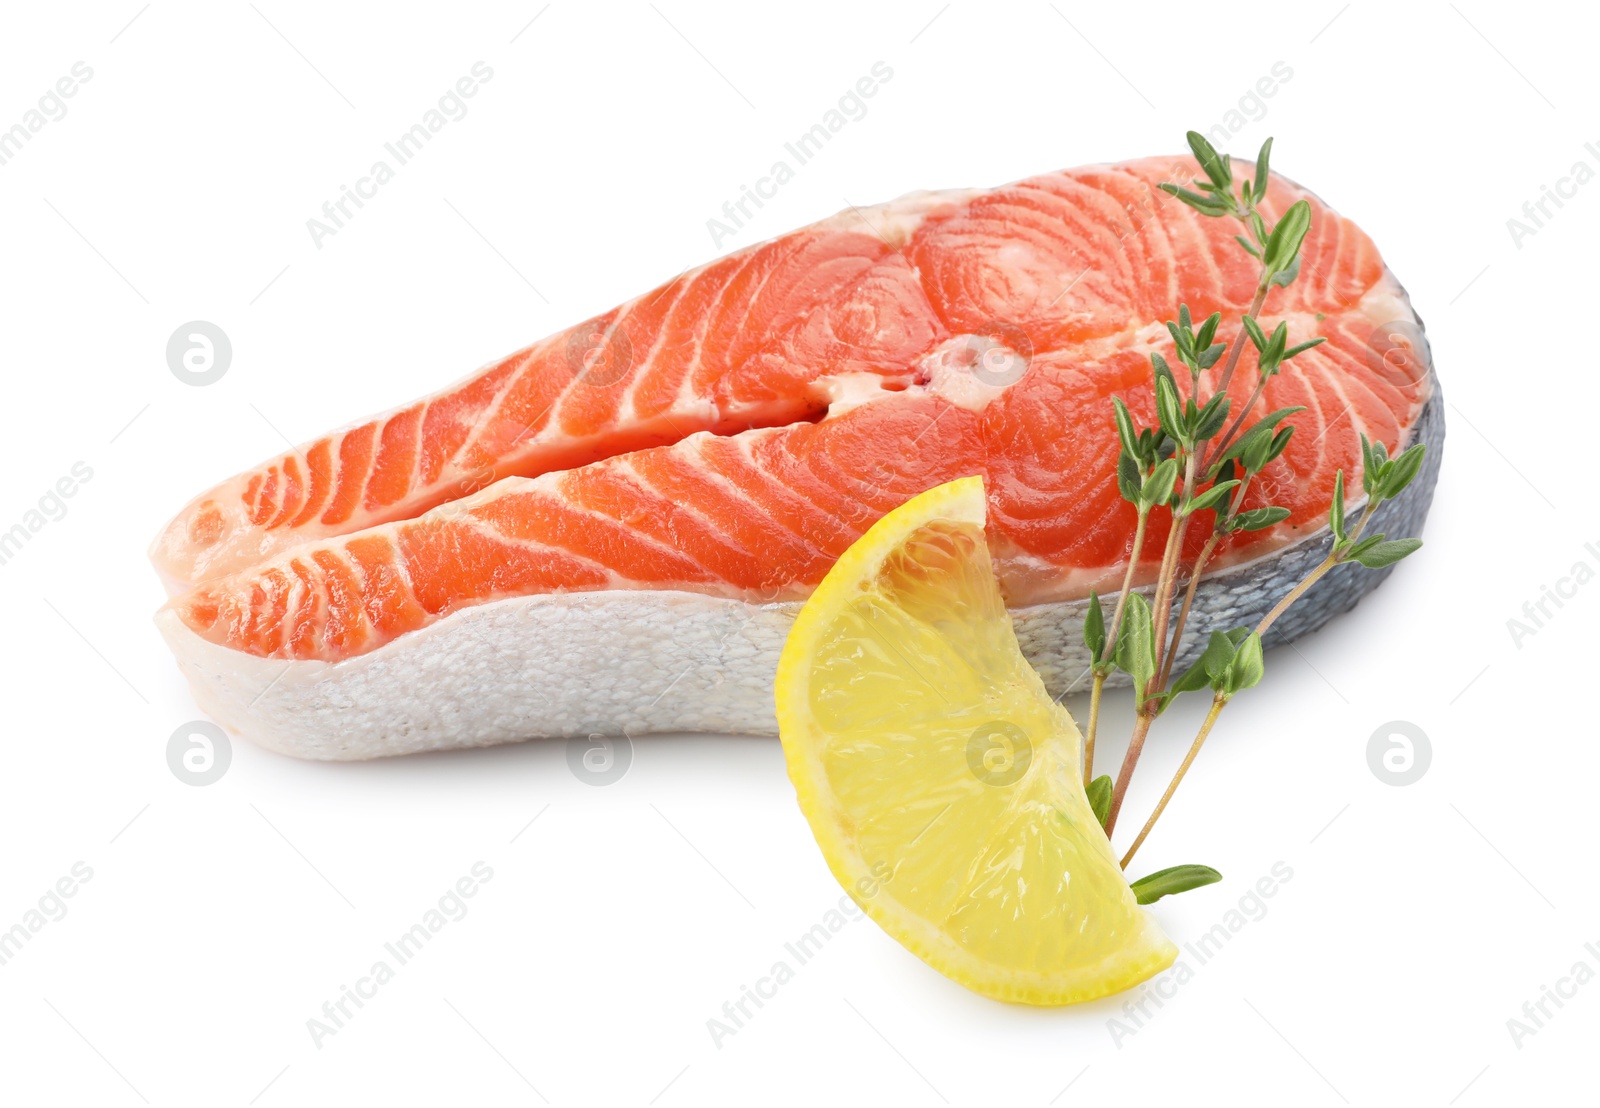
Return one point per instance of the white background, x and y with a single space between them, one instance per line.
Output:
218 920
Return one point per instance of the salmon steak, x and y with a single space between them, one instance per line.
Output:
610 531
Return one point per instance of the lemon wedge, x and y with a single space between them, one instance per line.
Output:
942 782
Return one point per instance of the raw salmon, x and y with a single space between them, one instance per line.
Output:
709 449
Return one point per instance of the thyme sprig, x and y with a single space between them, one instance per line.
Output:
1194 459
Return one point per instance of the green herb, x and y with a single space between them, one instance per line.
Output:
1099 791
1140 457
1177 879
1136 644
1196 460
1194 426
1382 479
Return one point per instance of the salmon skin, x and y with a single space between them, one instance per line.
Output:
610 530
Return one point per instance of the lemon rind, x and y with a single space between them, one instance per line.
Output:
1143 956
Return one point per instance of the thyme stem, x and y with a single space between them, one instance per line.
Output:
1194 583
1172 559
1183 611
1295 594
1221 699
1249 406
1217 704
1333 559
1236 348
1141 728
1100 671
1162 608
1094 723
1127 583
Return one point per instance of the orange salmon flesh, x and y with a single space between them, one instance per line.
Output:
731 432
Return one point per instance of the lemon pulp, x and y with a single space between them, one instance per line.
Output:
942 782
